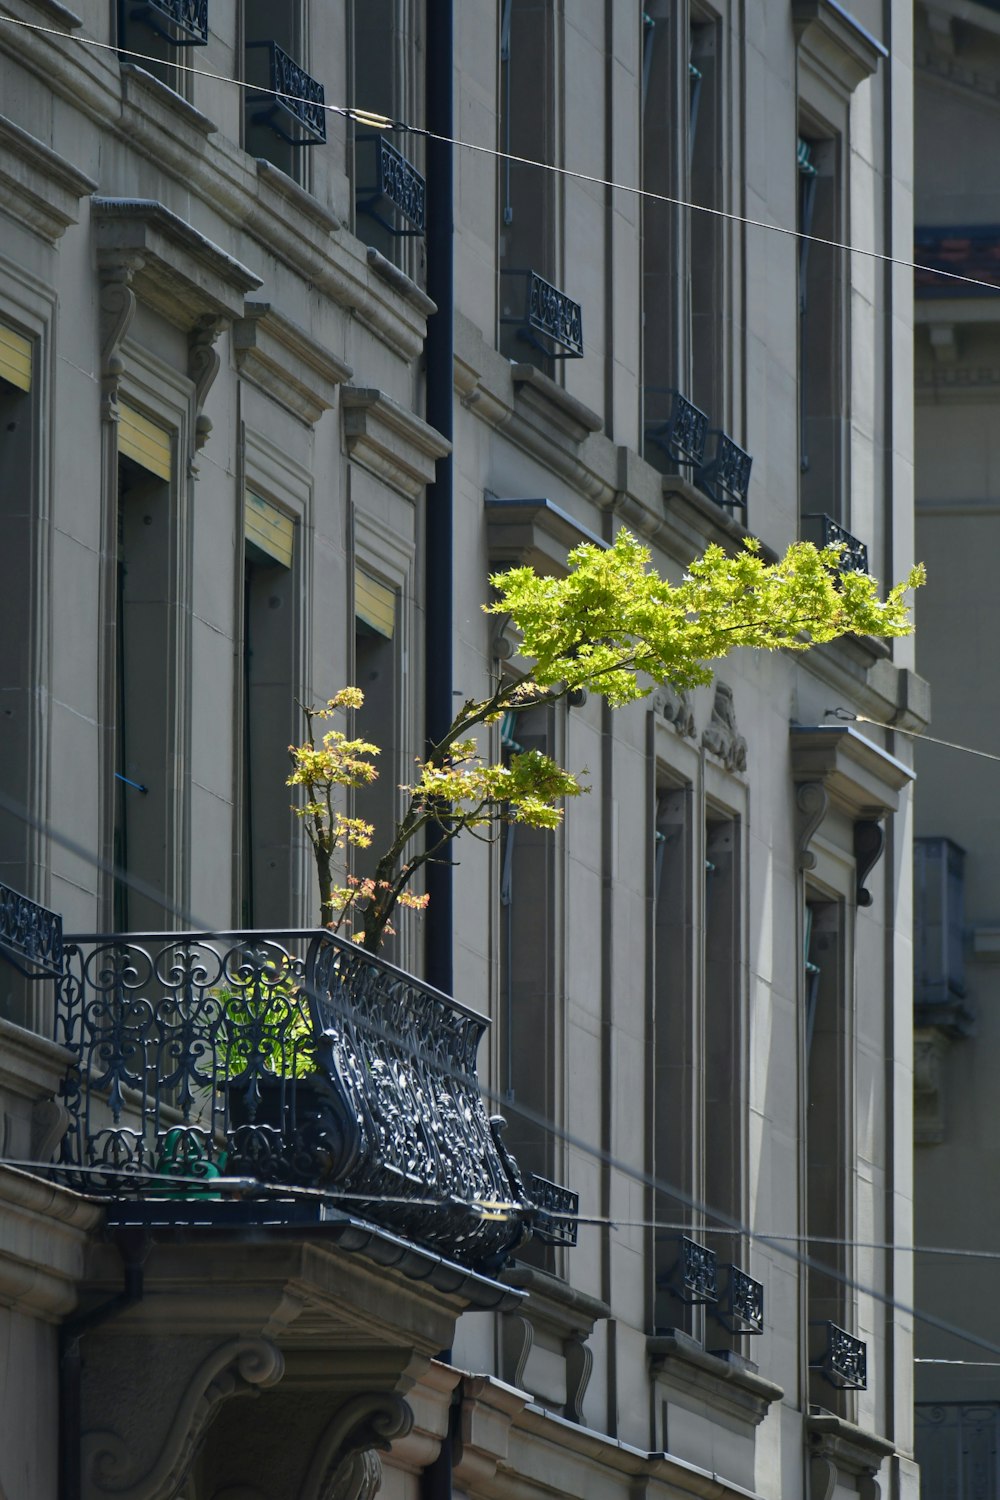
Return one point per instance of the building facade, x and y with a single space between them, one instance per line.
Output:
281 388
957 892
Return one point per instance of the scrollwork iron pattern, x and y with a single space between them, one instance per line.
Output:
698 1272
726 479
290 1058
554 1211
744 1302
551 312
31 936
854 553
958 1449
681 437
189 16
845 1363
401 183
298 93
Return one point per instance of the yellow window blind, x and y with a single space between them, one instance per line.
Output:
146 444
15 358
269 529
374 604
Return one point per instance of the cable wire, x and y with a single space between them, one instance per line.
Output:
375 121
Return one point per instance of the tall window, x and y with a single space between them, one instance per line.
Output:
828 1159
266 26
377 672
723 1029
822 413
145 796
706 240
264 879
528 208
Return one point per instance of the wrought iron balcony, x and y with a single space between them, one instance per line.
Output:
725 478
680 433
694 1277
543 315
958 1449
825 532
291 101
389 188
741 1303
844 1362
287 1060
181 23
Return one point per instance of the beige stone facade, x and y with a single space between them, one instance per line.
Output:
958 525
220 469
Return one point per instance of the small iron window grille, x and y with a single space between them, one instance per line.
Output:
741 1302
31 936
553 1211
845 1360
694 1277
726 477
389 187
826 532
681 435
294 100
181 23
547 319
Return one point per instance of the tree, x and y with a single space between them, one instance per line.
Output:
612 626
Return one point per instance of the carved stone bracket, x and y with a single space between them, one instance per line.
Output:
148 1459
869 842
674 705
117 309
344 1463
203 366
843 1455
556 1319
722 737
811 804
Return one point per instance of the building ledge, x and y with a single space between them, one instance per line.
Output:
390 441
832 39
400 282
865 779
726 1382
533 533
854 1451
283 360
26 164
546 398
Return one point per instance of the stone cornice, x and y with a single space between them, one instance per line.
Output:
854 1451
729 1385
533 532
858 774
25 165
835 43
549 402
170 265
43 1239
389 440
285 361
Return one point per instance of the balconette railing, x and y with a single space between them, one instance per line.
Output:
389 188
289 1059
825 531
182 23
844 1361
725 477
291 100
543 315
675 427
741 1302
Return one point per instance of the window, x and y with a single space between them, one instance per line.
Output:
144 700
264 877
822 397
387 40
723 1030
285 112
163 31
377 673
707 287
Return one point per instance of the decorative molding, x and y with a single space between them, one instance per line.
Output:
203 366
842 1453
722 737
835 43
389 440
562 1316
516 1336
171 267
343 1464
673 704
869 842
111 1468
26 165
727 1382
861 777
400 282
533 532
116 304
547 399
286 362
811 806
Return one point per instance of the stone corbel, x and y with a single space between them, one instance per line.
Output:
811 804
869 842
117 309
149 1455
203 366
345 1464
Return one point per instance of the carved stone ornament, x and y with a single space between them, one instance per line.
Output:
344 1465
674 706
811 804
722 737
203 366
869 842
117 309
113 1468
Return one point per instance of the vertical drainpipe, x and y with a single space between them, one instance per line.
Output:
438 529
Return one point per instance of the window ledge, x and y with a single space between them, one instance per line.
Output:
862 777
843 1446
166 101
389 441
52 10
400 282
726 1381
25 164
681 494
533 533
286 362
296 196
543 395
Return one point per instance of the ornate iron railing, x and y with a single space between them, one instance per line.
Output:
554 1210
31 936
293 95
958 1449
546 317
182 23
290 1059
680 434
694 1277
844 1361
725 478
826 532
741 1304
389 187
